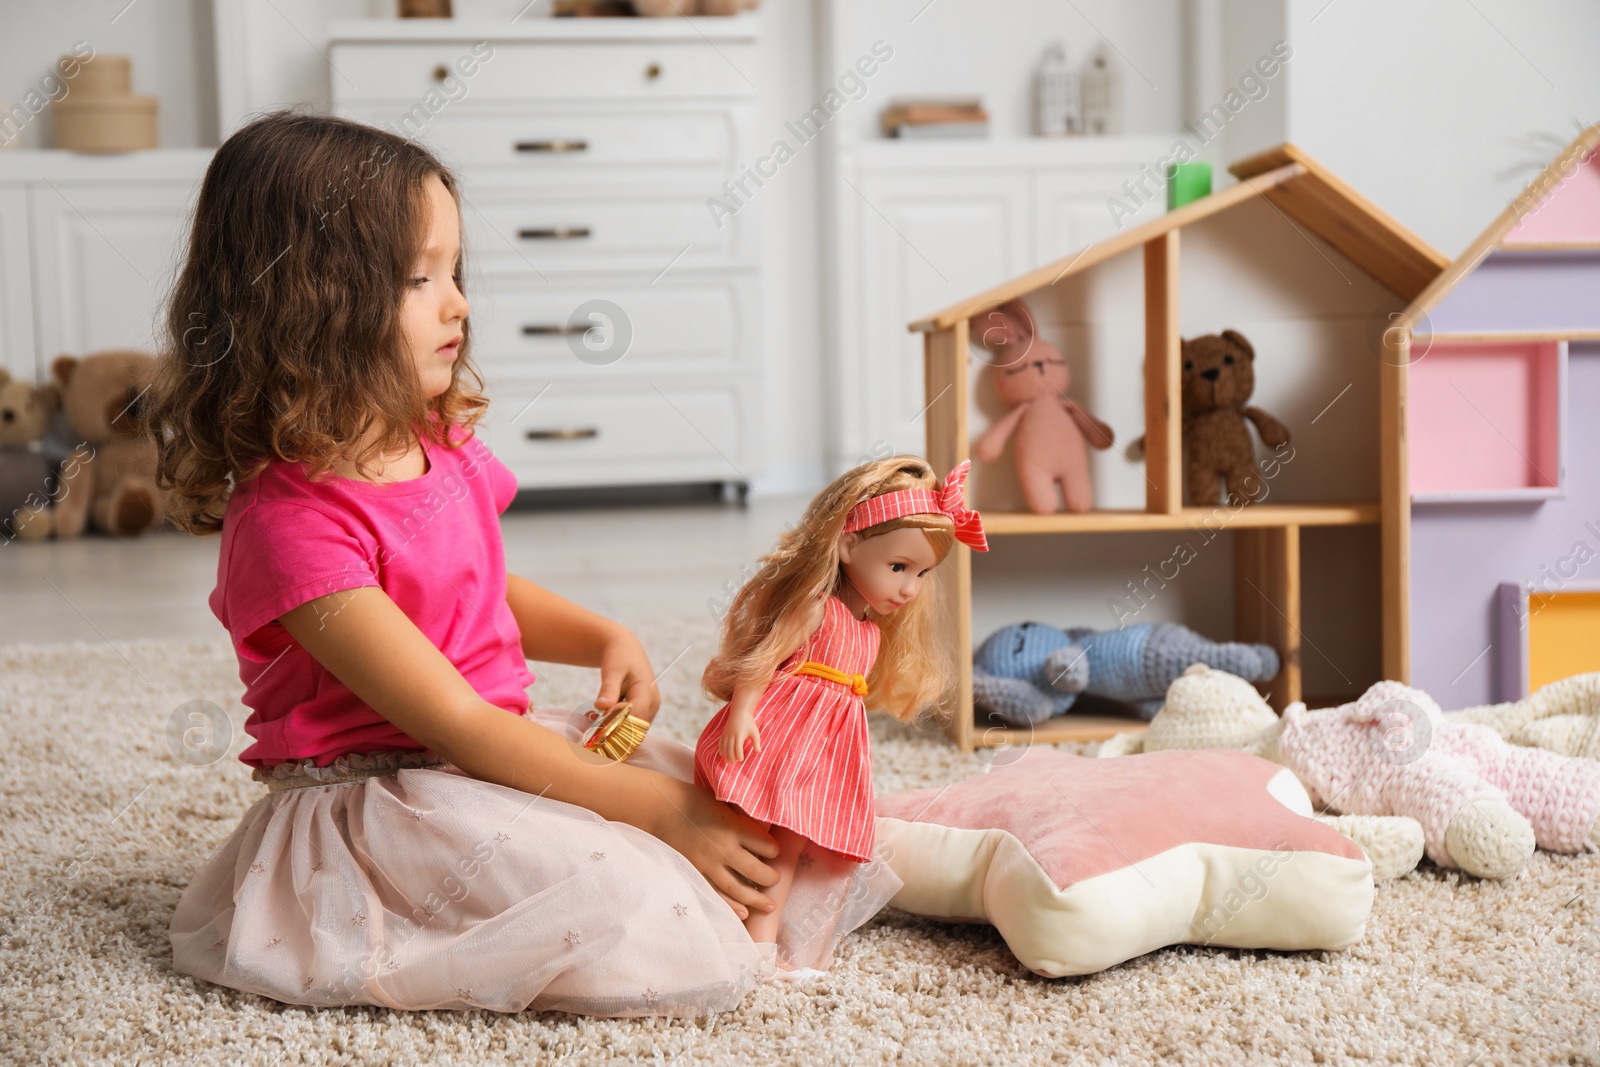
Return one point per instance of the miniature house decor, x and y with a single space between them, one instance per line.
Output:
1283 201
1056 94
1497 369
100 113
1186 183
1100 88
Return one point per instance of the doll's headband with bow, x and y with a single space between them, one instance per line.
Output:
949 500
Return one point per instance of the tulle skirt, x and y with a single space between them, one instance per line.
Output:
426 888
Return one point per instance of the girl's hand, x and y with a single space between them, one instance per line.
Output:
625 674
723 843
735 732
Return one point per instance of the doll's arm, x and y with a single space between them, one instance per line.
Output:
740 723
1273 432
1098 433
993 442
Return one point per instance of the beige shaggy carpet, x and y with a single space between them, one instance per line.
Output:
101 827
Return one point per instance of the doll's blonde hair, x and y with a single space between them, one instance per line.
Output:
767 618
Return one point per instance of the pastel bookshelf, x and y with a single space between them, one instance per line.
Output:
1544 635
1267 544
1500 551
1488 420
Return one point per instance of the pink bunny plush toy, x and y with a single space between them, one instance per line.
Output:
1053 434
1483 803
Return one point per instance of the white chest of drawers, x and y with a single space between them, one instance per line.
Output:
588 150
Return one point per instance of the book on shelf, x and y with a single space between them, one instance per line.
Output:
935 118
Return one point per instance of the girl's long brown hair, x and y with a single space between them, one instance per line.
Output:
769 615
282 335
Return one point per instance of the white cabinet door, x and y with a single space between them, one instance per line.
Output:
922 241
106 256
17 352
1073 212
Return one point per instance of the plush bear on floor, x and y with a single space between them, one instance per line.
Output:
1483 804
1219 460
108 483
27 475
1027 673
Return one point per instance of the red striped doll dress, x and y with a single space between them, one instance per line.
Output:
814 771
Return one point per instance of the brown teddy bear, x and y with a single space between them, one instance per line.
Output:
26 474
1218 378
109 481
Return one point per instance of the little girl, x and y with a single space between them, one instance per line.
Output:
839 615
424 839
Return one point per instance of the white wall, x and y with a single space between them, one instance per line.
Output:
1441 114
956 48
169 42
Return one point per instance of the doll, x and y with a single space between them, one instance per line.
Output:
840 615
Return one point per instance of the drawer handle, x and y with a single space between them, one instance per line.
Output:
552 146
554 233
558 329
565 433
653 71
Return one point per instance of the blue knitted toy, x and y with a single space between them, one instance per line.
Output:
1027 673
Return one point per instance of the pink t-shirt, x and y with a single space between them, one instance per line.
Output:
431 543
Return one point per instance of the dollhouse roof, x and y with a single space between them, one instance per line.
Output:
1306 193
1557 214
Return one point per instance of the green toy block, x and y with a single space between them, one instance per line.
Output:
1187 182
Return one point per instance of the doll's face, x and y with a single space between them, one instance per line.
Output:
888 570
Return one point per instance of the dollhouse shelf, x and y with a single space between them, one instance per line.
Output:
1266 537
1254 516
1061 729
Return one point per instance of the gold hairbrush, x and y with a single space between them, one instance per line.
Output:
617 733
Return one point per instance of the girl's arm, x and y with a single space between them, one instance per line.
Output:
363 638
555 630
740 725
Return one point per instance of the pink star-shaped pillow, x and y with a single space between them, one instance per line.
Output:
1084 863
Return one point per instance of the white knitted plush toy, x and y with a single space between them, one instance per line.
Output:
1209 708
1560 717
1482 804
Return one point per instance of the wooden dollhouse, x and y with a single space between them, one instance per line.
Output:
1499 481
1314 273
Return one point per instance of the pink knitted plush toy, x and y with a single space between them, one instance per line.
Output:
1053 432
1482 803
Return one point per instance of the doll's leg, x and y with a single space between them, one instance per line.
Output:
763 925
1077 490
1039 490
